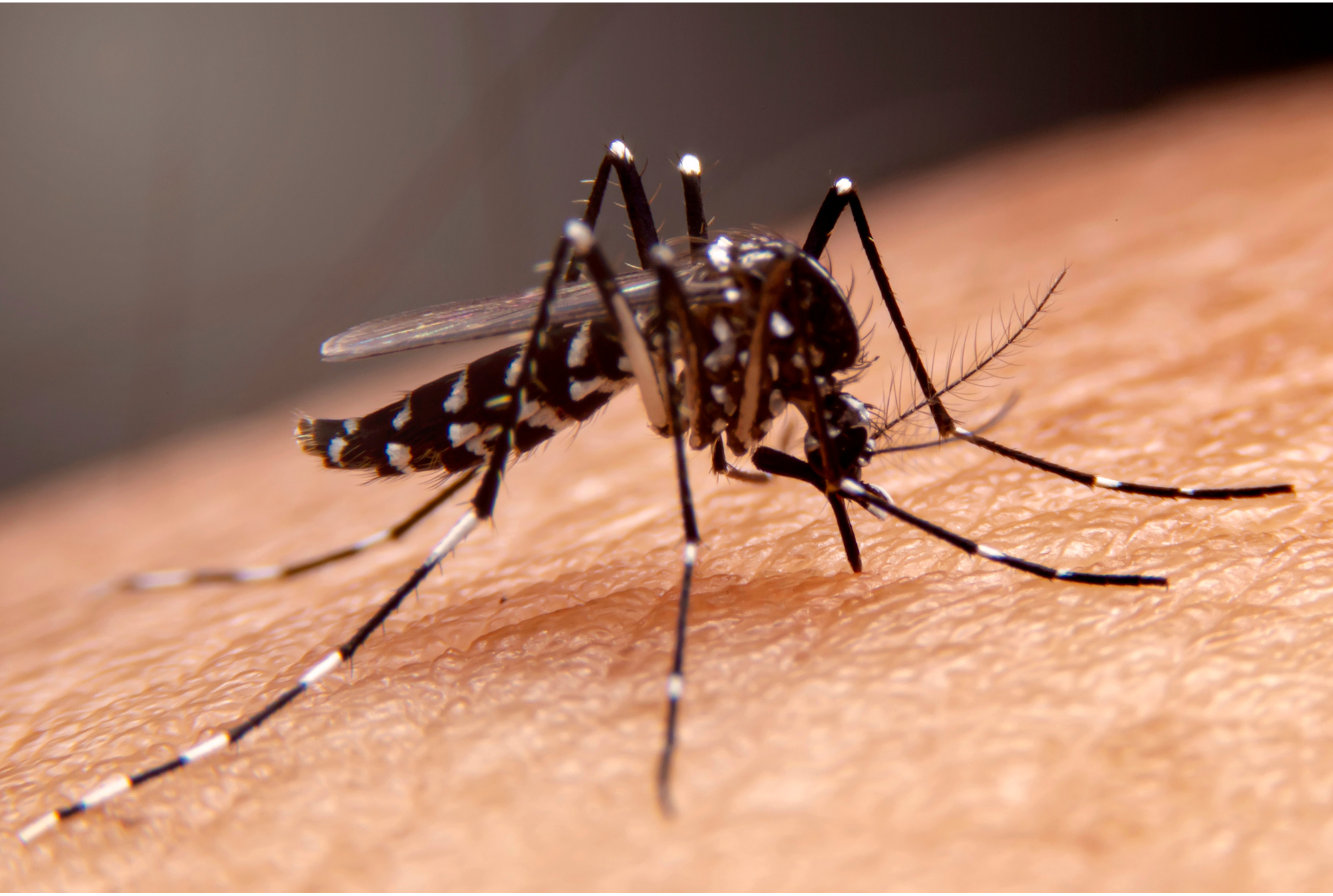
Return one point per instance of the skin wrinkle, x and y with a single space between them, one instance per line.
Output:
937 722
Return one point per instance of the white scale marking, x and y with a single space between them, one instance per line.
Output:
351 425
843 186
461 432
206 748
371 540
39 827
691 554
581 389
454 538
1106 483
457 396
719 253
402 417
1064 573
989 553
336 447
257 573
399 455
511 373
578 346
621 151
167 578
779 326
675 686
322 668
106 790
689 164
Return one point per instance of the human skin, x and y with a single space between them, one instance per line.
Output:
936 722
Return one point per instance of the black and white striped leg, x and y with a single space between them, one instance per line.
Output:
671 309
119 784
875 499
843 195
175 578
1115 485
483 504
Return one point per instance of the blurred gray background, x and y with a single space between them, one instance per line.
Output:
193 197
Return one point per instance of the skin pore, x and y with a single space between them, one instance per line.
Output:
937 722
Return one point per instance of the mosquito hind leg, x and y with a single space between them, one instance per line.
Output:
483 505
875 499
177 578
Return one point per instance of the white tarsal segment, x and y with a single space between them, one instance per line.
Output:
167 578
843 186
370 540
106 790
675 686
399 455
691 554
1064 573
205 748
961 431
689 164
851 487
1108 483
322 668
257 573
989 553
1187 491
39 827
458 395
466 523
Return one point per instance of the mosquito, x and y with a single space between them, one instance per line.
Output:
721 334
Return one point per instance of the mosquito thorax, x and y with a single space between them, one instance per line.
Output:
743 266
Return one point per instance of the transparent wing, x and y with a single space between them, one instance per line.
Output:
479 319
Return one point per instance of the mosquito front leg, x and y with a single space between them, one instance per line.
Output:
874 499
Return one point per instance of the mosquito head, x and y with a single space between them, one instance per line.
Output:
849 424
